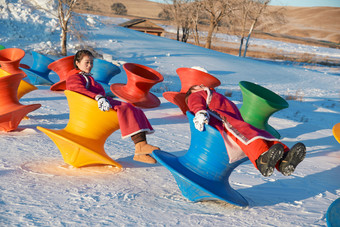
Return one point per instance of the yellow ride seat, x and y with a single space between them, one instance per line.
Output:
336 131
81 142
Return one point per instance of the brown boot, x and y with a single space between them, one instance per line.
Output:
144 148
144 158
142 151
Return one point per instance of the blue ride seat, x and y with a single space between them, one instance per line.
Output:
203 172
38 73
102 72
333 214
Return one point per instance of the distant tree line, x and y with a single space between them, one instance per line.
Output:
239 16
189 16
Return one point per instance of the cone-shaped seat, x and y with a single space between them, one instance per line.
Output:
61 67
336 131
24 87
11 111
203 172
38 73
333 214
259 104
81 142
140 79
102 72
10 60
188 78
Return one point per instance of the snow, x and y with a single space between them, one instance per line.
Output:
281 47
39 189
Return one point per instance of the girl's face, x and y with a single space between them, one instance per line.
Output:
197 88
85 64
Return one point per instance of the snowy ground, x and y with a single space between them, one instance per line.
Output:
39 189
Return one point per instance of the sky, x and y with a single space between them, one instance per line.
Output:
302 3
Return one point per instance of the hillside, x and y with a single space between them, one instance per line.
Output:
316 23
39 189
312 22
136 8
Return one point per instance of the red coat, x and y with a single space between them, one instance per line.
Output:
230 113
132 120
240 137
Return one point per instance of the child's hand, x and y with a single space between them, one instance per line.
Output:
103 103
201 118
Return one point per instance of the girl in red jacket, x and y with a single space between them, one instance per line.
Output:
132 121
262 149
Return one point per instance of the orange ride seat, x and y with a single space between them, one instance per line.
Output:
140 79
11 111
10 60
24 86
61 67
188 78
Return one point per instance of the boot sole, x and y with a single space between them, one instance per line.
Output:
296 155
275 154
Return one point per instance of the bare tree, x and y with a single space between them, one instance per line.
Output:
178 11
251 14
171 10
195 15
185 26
65 11
165 14
119 8
245 9
185 14
217 9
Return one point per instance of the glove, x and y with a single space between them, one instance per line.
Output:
103 103
201 118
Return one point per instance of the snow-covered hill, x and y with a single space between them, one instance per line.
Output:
38 189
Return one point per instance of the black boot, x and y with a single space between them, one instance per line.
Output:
267 161
292 158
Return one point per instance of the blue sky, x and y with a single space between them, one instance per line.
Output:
304 3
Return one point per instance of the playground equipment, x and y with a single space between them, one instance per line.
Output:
61 67
140 79
2 47
10 60
38 73
102 72
11 111
24 87
81 142
333 214
189 77
259 104
336 132
203 172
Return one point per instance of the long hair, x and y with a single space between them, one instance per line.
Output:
79 56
